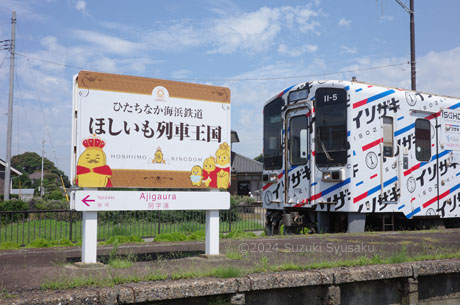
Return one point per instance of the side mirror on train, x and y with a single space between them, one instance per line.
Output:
303 143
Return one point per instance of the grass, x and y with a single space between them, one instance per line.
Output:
239 235
120 239
232 271
235 255
120 263
9 245
44 243
226 272
4 294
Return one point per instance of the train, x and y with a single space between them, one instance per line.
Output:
344 155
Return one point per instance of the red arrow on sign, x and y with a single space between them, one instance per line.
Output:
86 200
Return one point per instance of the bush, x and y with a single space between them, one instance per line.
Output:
9 245
116 240
43 204
197 235
39 243
55 195
175 236
13 205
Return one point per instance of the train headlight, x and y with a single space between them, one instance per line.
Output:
273 178
333 176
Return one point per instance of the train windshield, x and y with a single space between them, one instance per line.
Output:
273 155
331 127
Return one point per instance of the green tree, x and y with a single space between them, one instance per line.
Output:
29 163
260 158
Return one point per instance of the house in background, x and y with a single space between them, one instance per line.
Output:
24 194
246 173
14 172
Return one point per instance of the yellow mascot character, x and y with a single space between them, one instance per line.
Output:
92 170
223 166
197 175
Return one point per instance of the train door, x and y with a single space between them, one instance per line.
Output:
297 156
419 175
389 165
449 163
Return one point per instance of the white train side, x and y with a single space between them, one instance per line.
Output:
338 152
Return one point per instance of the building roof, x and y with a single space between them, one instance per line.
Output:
13 170
242 164
35 176
234 137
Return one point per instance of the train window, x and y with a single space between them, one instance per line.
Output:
422 140
273 124
331 127
388 136
297 144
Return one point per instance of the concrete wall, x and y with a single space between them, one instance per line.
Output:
428 283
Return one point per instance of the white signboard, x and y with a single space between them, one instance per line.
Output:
149 200
450 127
141 132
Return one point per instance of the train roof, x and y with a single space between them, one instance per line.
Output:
322 82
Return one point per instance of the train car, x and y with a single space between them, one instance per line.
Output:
339 152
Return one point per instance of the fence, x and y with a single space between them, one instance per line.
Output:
23 227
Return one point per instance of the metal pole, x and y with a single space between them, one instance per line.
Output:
9 135
412 46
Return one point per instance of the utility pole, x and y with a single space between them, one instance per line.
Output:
412 41
412 46
42 190
9 135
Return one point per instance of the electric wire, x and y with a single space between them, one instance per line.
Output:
24 109
43 114
50 62
298 76
4 59
240 79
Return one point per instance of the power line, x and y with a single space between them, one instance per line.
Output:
50 62
297 76
24 109
240 79
43 114
4 59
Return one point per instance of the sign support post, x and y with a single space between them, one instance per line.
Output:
212 232
89 238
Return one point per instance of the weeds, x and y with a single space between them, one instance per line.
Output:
226 272
239 235
120 239
234 255
44 243
399 257
9 245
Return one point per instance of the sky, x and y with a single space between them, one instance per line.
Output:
256 48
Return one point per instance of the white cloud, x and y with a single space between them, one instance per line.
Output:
344 23
386 18
80 5
108 44
437 72
176 36
24 9
297 51
252 32
349 50
257 31
181 74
